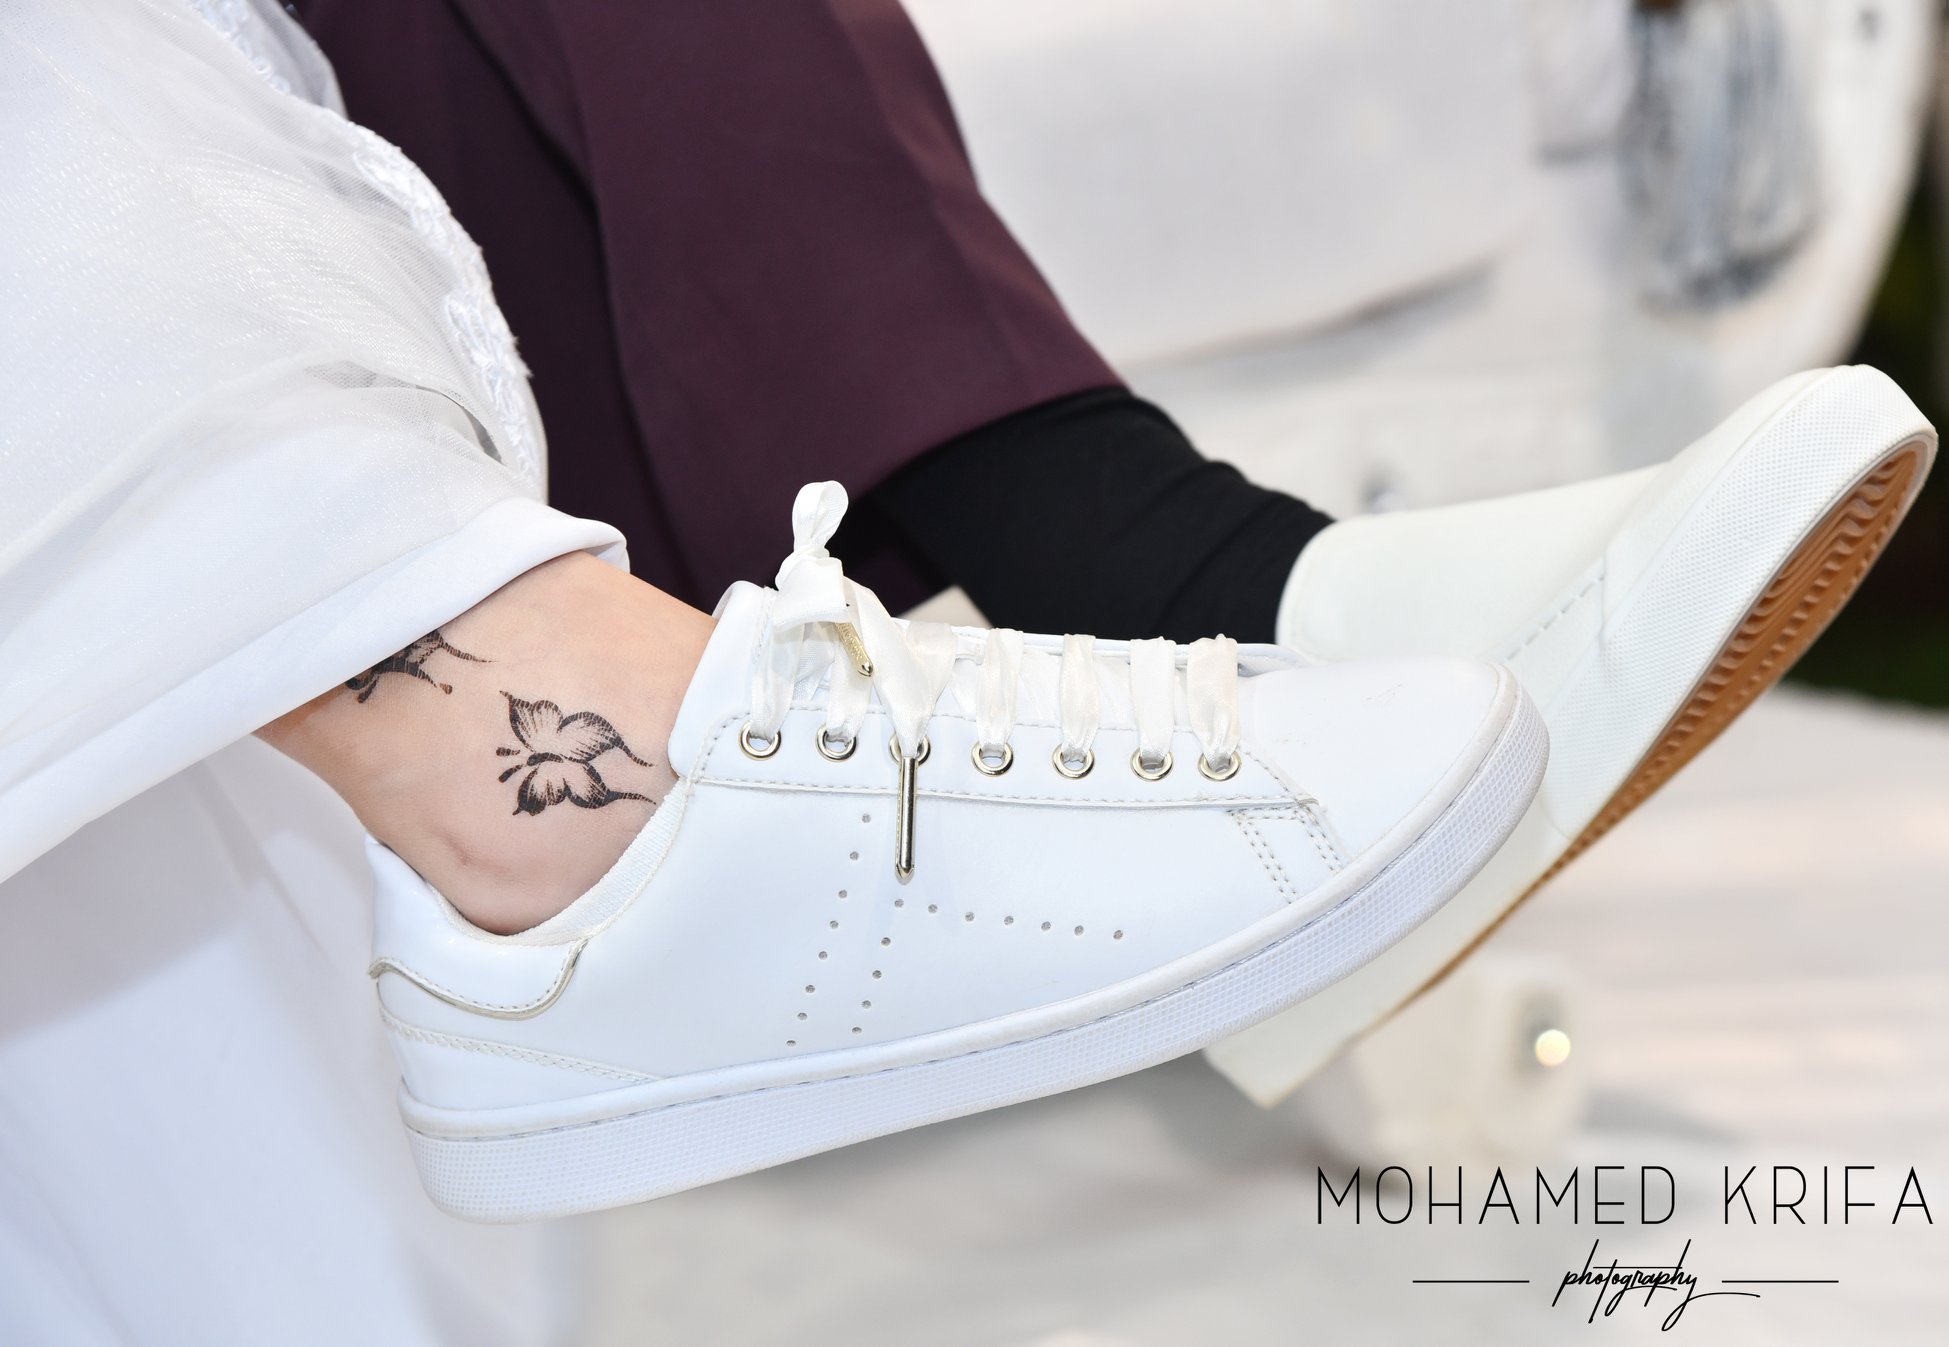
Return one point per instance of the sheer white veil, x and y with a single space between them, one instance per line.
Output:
248 363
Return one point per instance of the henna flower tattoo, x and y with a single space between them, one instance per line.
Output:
560 753
411 661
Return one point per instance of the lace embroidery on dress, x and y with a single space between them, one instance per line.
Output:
472 316
232 19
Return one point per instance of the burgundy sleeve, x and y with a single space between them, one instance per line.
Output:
740 242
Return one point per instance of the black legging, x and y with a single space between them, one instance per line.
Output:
1093 513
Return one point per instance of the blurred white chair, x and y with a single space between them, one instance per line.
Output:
1380 254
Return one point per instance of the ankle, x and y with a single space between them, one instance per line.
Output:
507 879
511 755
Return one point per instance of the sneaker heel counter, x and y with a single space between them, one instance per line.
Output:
458 1072
418 937
450 995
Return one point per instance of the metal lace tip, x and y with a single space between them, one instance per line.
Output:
903 821
855 648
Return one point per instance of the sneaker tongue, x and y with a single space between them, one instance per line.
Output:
722 683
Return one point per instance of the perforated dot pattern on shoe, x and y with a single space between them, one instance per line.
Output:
850 930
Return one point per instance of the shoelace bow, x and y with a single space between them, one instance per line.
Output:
822 623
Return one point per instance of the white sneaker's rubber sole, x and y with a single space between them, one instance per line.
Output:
1771 550
649 1140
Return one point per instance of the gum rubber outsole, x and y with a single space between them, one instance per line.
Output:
1811 586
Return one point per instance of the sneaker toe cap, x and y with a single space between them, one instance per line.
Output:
1380 744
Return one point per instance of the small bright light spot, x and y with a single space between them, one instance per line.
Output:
1552 1047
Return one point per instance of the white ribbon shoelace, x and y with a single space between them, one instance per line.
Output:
821 621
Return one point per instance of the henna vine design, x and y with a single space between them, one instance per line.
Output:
411 661
560 751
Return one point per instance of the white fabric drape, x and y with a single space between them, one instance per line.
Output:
199 1142
261 422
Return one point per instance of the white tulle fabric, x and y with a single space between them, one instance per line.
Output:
260 419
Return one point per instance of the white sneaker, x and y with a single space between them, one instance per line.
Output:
911 872
1642 612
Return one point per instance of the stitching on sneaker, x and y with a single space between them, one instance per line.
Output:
509 1050
1551 620
1308 820
1322 843
1263 850
514 1009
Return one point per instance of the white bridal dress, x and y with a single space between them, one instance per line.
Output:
261 424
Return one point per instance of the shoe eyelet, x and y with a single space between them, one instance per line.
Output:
828 752
987 768
1157 773
1211 773
893 749
1078 771
752 750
